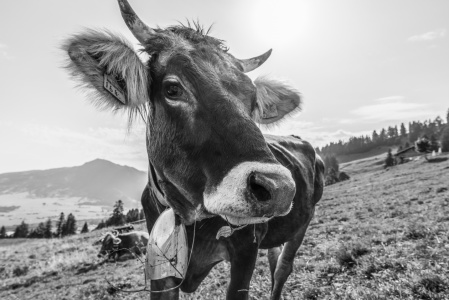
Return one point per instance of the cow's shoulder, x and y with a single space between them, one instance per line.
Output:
291 149
301 159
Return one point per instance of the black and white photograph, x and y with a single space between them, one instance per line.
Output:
199 150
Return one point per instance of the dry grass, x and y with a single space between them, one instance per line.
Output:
381 235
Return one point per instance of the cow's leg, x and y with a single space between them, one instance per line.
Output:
284 265
244 245
167 284
273 256
242 267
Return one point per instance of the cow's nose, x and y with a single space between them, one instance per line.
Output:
260 186
273 187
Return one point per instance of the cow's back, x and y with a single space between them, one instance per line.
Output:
308 172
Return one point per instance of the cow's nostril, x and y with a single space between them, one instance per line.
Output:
257 189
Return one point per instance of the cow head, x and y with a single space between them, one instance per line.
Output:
109 242
201 111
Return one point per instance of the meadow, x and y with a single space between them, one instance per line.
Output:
383 234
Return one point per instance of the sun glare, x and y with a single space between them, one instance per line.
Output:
280 22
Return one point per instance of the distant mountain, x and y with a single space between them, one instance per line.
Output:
98 182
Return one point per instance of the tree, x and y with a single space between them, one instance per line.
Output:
132 215
403 132
21 230
85 228
444 140
60 225
38 232
375 136
48 229
3 232
447 116
389 161
117 218
433 143
330 162
69 227
142 215
101 225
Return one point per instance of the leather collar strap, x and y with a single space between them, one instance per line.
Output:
154 186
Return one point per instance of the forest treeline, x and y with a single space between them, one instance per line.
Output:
397 135
67 226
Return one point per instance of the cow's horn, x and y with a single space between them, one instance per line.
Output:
139 29
253 63
114 232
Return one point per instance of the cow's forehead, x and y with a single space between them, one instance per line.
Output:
194 45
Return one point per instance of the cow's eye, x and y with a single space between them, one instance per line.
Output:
173 90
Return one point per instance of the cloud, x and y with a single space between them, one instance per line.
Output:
3 53
392 108
318 136
428 36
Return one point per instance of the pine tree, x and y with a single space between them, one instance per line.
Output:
117 218
60 225
132 215
447 116
21 230
69 227
85 228
101 225
38 232
403 132
375 136
444 140
3 232
142 215
48 227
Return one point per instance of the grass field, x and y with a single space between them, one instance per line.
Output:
383 234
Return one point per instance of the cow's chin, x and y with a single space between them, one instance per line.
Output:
239 221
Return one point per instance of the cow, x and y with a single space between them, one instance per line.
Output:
123 245
208 159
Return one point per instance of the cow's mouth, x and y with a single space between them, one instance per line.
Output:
239 221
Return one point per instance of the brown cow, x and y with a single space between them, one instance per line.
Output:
208 159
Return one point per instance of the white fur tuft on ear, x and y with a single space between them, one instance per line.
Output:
96 53
275 100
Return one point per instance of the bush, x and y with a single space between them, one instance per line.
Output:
389 161
20 271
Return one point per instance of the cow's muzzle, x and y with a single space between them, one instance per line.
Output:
252 192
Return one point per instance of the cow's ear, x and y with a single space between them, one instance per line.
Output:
275 100
107 65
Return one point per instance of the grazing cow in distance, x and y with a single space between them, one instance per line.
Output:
123 245
208 159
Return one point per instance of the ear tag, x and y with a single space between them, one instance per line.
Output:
111 85
270 112
167 249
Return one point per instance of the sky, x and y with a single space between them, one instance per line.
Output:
359 65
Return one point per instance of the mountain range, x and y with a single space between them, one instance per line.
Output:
88 191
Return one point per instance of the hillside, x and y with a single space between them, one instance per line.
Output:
383 234
380 150
87 191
